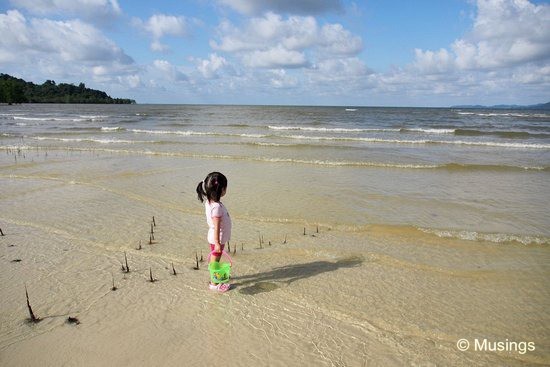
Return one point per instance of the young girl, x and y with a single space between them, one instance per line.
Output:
210 191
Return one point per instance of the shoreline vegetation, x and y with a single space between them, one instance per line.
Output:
14 90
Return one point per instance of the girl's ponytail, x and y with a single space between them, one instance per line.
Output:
201 194
212 187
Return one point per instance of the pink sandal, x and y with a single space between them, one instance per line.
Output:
221 287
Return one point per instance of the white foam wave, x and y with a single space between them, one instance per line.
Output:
430 131
106 128
329 130
490 237
507 114
66 119
93 117
191 133
424 141
93 140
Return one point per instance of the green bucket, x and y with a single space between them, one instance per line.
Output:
219 272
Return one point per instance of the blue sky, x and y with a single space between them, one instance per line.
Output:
313 52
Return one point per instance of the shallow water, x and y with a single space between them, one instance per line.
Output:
409 247
480 173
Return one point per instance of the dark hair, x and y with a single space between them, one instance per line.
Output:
212 187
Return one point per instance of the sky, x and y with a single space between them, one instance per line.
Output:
285 52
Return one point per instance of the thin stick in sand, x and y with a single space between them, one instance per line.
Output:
234 250
1 233
284 242
304 231
201 257
317 229
150 239
114 288
154 223
242 246
197 261
127 269
228 246
32 317
152 228
173 270
151 279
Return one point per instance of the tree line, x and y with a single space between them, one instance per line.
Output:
14 90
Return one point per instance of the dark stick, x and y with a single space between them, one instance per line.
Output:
201 257
2 233
154 223
242 246
126 261
197 261
304 231
269 243
173 270
33 318
114 286
234 250
228 246
317 228
284 242
150 239
152 228
151 279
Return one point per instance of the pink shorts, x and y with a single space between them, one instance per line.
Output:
216 253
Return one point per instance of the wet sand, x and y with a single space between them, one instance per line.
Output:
378 295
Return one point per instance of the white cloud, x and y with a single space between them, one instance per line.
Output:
281 79
506 33
284 6
209 68
61 49
272 41
99 10
276 57
71 40
169 71
161 25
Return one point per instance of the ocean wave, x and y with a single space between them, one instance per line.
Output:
423 141
506 114
489 237
428 130
330 130
115 128
320 162
92 140
197 133
510 134
66 119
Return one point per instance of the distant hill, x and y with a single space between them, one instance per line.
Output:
540 106
14 90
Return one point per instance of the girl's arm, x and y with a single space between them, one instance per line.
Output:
217 245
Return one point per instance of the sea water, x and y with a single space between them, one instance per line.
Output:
475 174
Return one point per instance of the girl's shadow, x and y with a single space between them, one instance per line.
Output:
264 281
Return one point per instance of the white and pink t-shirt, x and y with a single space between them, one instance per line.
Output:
217 209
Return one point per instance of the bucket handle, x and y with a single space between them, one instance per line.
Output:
223 253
